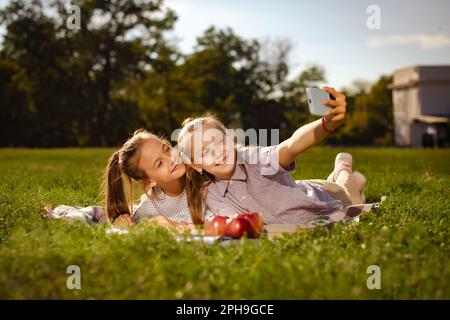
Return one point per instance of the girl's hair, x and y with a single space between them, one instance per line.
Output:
124 162
196 182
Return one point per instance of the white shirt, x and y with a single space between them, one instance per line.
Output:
174 208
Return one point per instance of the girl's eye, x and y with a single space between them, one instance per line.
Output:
167 148
159 163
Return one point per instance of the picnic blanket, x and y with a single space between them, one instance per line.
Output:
90 215
351 214
96 214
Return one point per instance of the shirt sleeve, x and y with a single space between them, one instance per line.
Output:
267 160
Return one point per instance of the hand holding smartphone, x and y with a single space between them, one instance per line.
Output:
316 97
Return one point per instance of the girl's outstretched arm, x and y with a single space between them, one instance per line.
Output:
314 132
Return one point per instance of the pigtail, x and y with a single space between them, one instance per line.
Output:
131 206
195 185
186 121
116 202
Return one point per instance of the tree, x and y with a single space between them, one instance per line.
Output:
369 115
16 118
75 78
232 77
32 46
119 38
164 93
294 98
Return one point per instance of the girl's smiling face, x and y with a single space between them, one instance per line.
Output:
161 162
213 151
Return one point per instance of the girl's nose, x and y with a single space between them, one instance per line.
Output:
219 158
209 161
175 155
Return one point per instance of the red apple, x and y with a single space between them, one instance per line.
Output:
237 227
215 225
255 220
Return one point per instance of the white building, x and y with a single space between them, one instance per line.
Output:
421 99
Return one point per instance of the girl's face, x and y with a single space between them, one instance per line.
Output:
161 162
213 151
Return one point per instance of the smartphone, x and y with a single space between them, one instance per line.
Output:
316 97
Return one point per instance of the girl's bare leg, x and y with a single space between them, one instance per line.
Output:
348 182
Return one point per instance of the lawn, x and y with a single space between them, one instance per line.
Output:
408 237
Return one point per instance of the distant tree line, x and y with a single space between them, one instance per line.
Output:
120 71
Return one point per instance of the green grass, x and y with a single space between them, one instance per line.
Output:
408 237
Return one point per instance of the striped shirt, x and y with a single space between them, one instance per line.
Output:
261 185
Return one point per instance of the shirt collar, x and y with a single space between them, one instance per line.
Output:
222 185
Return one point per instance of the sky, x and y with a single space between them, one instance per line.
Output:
333 34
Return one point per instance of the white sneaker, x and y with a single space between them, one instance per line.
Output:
343 161
361 183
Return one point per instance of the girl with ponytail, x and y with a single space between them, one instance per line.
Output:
230 178
157 167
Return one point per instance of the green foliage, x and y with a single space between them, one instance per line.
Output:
72 79
295 101
96 85
369 118
408 237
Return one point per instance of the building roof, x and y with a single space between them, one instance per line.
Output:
430 119
412 76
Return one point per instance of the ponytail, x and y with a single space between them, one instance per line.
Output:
195 186
124 164
186 121
116 202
